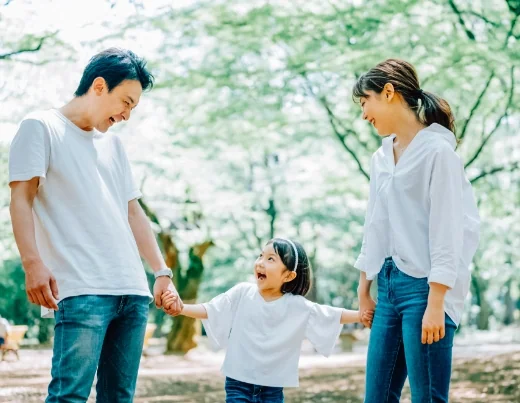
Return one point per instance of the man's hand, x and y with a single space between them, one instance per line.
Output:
367 307
41 286
161 286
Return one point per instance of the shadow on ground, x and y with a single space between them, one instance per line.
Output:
488 379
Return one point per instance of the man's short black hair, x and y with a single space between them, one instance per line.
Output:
115 66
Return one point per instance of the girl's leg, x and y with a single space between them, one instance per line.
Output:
238 392
386 366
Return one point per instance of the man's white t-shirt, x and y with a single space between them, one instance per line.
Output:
81 208
264 339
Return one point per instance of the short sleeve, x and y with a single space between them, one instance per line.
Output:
29 153
221 311
323 328
131 190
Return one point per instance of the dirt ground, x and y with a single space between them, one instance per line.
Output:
481 374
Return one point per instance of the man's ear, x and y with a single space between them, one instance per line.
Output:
99 85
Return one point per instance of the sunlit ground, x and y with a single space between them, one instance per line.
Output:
482 373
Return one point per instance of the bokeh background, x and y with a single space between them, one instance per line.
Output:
251 132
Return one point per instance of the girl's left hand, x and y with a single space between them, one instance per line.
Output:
433 328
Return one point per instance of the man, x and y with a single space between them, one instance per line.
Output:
80 250
4 330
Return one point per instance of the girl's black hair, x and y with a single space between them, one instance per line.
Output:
428 107
303 281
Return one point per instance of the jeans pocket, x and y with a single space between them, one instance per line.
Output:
273 395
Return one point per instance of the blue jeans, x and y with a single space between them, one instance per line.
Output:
97 332
242 392
395 350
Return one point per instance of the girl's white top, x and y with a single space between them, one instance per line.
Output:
264 339
422 213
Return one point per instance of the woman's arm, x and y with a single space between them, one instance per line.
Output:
366 302
433 328
446 234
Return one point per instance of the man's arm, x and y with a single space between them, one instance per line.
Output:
150 252
41 286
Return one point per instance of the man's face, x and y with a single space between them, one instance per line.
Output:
109 108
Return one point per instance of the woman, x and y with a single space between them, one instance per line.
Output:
421 232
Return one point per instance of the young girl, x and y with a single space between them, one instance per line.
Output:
421 232
263 324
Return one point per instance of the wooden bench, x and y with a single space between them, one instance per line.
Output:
14 337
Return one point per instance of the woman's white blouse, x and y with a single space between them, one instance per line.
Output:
422 213
264 339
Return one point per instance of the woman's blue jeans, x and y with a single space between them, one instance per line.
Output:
395 350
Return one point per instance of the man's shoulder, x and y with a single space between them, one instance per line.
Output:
42 116
43 122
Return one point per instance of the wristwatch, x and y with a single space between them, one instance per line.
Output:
163 272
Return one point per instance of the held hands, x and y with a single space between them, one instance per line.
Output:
366 318
169 302
367 307
163 285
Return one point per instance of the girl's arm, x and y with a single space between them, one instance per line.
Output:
349 316
196 311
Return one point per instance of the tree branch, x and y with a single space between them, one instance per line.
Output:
27 49
505 168
343 139
334 122
511 30
245 234
469 33
475 106
483 18
499 121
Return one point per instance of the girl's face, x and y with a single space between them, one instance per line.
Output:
270 272
378 109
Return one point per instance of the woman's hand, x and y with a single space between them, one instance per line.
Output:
367 307
433 328
433 323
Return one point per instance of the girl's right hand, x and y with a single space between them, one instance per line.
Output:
366 305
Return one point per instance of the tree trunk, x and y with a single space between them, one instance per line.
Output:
509 302
485 310
182 336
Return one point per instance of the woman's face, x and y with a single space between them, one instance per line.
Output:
378 110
